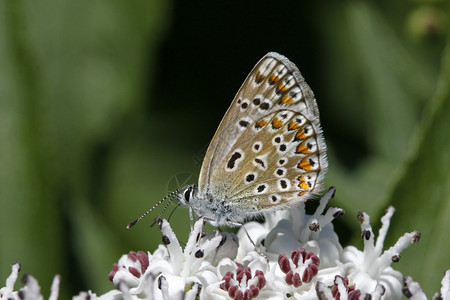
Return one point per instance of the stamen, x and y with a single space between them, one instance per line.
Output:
242 285
300 268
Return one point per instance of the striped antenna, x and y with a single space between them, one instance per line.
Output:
170 196
160 214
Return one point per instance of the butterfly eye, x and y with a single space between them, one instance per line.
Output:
187 194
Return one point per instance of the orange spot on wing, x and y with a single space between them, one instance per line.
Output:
282 88
293 125
302 193
287 100
300 135
303 185
274 79
261 123
305 165
302 148
277 123
259 78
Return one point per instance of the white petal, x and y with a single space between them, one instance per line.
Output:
174 248
10 281
445 290
54 290
414 289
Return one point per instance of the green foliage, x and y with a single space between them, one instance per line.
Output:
104 103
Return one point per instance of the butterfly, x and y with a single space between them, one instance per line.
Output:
267 154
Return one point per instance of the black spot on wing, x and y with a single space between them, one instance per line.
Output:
250 178
231 162
243 123
260 162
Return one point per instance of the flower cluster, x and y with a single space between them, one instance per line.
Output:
243 286
305 269
297 256
31 290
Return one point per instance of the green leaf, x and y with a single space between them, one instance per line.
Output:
422 194
379 87
72 73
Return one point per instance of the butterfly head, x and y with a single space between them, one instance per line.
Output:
187 194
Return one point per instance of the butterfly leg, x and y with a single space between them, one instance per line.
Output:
250 239
191 217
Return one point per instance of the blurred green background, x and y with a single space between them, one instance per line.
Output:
105 104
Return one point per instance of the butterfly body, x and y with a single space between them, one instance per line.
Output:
268 152
217 211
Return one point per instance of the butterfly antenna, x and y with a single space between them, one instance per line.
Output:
169 196
162 211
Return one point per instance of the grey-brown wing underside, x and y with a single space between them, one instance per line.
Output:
275 85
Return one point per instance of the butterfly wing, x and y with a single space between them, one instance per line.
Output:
268 150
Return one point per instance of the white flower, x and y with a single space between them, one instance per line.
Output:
412 289
244 282
296 274
285 231
286 235
129 269
170 271
297 256
371 267
31 290
342 290
111 295
7 291
445 289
